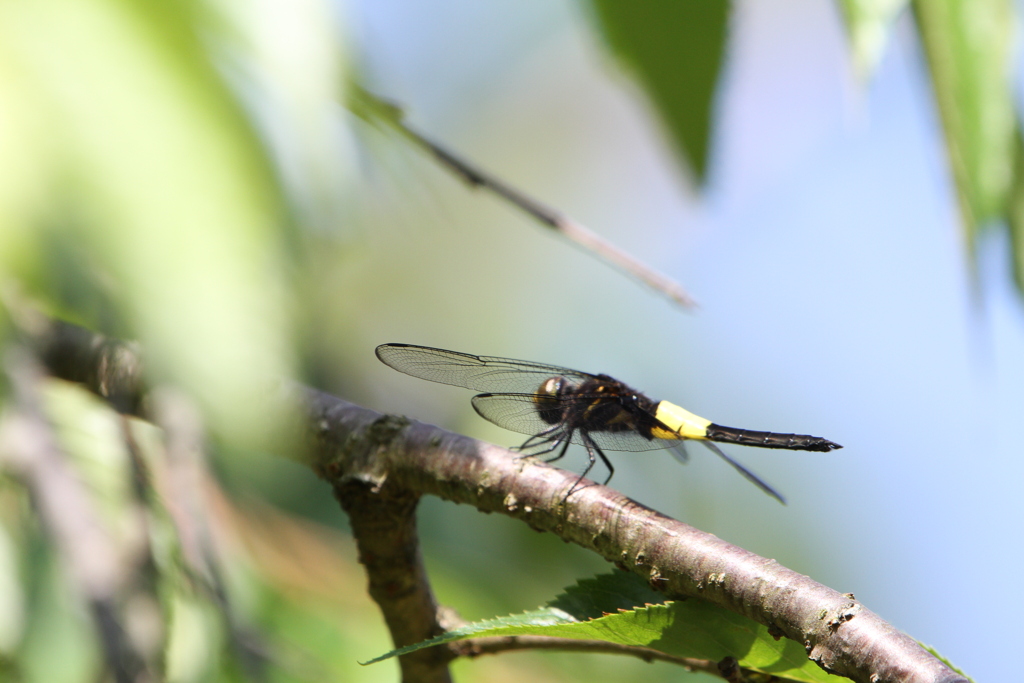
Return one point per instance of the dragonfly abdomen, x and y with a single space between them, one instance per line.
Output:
750 437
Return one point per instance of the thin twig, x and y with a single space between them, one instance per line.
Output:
576 232
492 645
476 647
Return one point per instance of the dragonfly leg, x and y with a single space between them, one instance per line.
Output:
592 448
565 446
542 446
551 436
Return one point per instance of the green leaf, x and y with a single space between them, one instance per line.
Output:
969 47
868 23
604 608
675 51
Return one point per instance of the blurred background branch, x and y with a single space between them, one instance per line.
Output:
103 575
373 109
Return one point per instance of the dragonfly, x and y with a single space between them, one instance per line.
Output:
557 406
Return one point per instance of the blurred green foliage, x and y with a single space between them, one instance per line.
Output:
125 146
675 51
970 51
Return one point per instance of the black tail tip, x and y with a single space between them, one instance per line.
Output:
824 446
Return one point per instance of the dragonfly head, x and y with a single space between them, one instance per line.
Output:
553 387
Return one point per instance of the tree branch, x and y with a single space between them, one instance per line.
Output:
383 522
375 459
839 633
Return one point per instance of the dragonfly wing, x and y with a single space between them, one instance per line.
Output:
517 413
678 451
750 476
627 440
480 373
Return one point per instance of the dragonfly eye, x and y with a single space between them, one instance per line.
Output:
546 399
552 387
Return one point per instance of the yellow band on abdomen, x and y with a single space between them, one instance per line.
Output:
683 423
